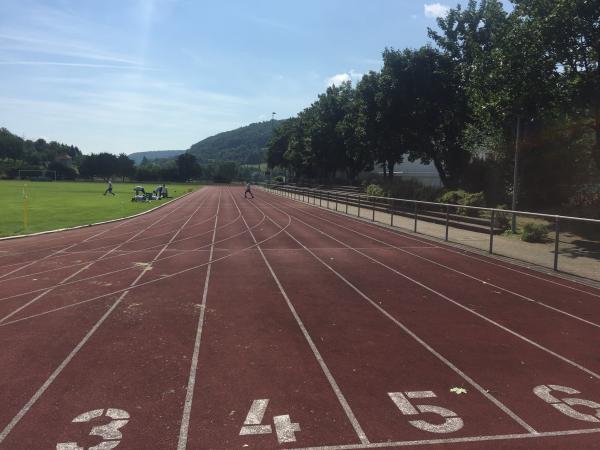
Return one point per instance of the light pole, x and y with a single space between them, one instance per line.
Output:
516 177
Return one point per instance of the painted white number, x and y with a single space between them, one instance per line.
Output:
564 405
109 432
285 429
451 423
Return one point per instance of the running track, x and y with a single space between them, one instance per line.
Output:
217 322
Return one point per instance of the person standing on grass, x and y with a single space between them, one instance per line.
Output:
248 190
109 188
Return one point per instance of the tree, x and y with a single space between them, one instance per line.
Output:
438 115
352 129
187 166
570 32
106 165
125 166
11 146
226 172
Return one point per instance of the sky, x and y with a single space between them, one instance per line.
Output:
140 75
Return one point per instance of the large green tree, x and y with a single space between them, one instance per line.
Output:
570 33
187 166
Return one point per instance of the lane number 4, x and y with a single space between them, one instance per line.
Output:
110 432
284 428
451 423
564 405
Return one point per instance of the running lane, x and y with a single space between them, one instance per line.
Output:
508 364
80 357
252 349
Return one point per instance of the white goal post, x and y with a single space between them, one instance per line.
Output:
28 173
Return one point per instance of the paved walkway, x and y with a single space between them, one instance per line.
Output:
577 256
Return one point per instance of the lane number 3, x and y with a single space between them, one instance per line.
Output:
110 432
564 405
451 423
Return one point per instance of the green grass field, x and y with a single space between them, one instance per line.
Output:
66 204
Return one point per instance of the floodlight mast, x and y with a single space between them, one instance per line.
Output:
515 192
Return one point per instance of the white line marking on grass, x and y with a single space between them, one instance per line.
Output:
15 420
189 395
468 379
340 396
488 283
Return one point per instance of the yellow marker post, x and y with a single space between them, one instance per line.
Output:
25 209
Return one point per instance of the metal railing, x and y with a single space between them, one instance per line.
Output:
482 228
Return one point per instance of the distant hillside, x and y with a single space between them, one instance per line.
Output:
244 145
157 154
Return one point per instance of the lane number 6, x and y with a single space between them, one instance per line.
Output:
564 405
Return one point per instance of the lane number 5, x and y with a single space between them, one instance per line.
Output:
564 405
451 423
110 432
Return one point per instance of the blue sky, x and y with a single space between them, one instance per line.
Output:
137 75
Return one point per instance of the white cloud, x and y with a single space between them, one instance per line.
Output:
340 78
434 10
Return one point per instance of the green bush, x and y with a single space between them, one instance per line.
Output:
375 190
412 190
460 197
453 197
502 219
534 232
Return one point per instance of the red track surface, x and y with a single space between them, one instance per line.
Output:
168 328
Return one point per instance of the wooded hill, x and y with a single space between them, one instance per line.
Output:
243 145
137 157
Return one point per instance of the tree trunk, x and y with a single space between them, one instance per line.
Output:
442 174
391 170
384 165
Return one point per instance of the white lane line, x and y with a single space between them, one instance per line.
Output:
124 253
340 396
57 252
499 437
487 283
408 331
87 266
404 234
162 278
17 418
189 395
98 249
119 255
182 252
454 302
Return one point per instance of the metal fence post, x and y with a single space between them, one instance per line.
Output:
447 221
492 219
358 205
336 202
416 216
320 198
391 212
556 240
347 197
373 206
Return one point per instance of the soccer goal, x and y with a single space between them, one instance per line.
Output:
37 174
